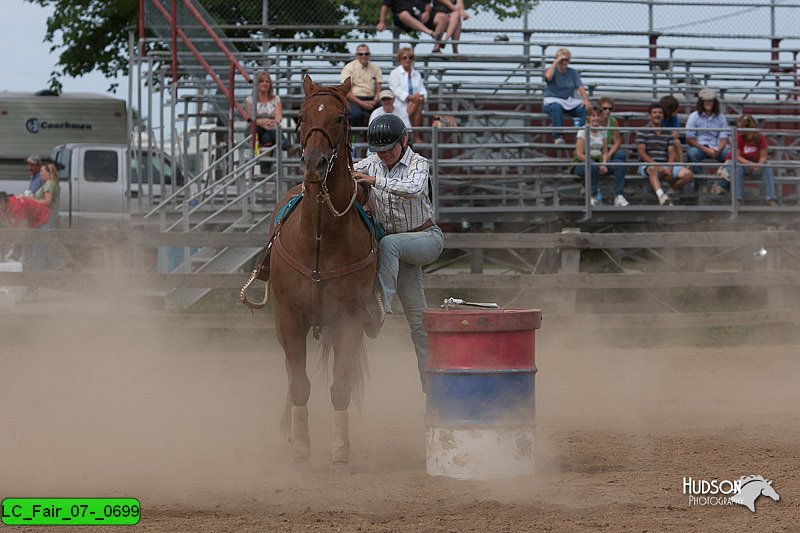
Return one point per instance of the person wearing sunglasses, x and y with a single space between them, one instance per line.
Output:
366 79
559 94
409 90
616 154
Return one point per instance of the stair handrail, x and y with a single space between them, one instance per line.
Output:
230 203
165 202
177 31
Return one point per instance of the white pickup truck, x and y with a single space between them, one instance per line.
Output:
100 182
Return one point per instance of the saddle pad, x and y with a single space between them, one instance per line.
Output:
373 226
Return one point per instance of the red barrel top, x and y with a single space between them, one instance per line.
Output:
469 320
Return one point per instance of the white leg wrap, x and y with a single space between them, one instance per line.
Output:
301 440
340 444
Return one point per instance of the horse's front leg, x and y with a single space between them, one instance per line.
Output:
293 341
347 344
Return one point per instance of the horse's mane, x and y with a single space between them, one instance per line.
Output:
747 479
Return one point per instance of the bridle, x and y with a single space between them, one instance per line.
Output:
324 194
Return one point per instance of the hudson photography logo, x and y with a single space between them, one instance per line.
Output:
743 491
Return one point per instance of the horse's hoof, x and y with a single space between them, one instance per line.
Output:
301 467
340 469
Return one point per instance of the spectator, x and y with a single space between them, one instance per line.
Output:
269 111
387 107
616 154
670 104
454 12
657 153
409 90
751 161
413 15
49 195
559 95
598 154
702 142
400 184
25 212
34 165
365 77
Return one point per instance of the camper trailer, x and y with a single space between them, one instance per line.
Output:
33 123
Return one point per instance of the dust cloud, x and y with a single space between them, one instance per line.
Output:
105 399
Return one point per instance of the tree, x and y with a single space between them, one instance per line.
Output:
93 34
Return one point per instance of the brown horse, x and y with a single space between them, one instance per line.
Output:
323 271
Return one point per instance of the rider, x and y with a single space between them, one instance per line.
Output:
401 188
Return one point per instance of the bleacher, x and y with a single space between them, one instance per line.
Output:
500 162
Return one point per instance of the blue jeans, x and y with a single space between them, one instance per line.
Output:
594 169
766 174
618 171
557 113
696 155
401 257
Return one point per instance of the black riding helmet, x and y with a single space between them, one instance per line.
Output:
384 132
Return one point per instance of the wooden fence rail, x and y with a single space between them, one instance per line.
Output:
778 275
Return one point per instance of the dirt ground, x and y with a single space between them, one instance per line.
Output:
98 402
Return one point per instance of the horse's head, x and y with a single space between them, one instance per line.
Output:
323 128
769 492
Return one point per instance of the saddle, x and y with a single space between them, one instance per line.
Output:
365 206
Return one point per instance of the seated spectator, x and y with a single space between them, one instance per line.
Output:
454 13
409 91
702 142
387 107
751 161
598 154
268 110
413 15
616 154
657 153
365 77
671 105
559 94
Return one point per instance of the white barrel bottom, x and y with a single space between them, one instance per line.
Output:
479 453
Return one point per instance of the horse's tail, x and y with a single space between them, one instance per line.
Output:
358 366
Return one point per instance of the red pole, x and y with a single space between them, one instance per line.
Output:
775 55
211 33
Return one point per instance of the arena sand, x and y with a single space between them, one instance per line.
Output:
102 401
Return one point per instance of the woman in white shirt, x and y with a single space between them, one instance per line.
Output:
598 153
408 88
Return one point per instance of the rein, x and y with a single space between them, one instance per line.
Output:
324 194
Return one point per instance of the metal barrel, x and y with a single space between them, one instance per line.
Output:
480 405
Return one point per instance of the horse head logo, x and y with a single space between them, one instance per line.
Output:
751 488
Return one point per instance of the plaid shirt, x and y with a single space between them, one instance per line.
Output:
400 193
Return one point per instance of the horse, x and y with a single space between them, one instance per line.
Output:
322 275
751 488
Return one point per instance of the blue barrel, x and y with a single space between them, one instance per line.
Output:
480 406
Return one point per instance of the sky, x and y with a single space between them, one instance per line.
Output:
26 60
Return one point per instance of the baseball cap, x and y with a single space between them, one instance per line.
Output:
386 93
35 159
707 94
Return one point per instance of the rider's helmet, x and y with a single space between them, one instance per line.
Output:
384 132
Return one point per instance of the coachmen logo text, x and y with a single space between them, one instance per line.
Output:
34 125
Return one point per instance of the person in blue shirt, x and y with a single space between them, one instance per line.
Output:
671 105
559 94
704 142
34 164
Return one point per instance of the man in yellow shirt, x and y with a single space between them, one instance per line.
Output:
365 93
